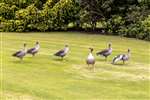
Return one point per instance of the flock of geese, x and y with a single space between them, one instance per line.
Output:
63 52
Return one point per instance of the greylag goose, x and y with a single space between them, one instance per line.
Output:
63 52
90 59
105 52
20 54
34 50
123 57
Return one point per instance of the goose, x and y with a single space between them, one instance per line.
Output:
105 52
34 50
90 59
20 54
63 52
123 57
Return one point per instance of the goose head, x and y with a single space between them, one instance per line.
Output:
66 45
37 46
128 50
37 43
109 45
91 49
66 49
24 45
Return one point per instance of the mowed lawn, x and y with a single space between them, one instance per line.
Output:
45 77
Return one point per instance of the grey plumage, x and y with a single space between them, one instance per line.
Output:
20 54
121 57
90 59
63 52
34 50
105 52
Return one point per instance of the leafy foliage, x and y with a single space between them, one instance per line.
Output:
119 17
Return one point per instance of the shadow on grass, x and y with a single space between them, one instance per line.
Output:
21 62
59 59
120 64
90 68
103 60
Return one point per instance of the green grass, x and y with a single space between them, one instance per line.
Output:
45 77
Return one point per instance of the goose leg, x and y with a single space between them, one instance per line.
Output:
62 58
123 62
21 59
89 67
33 54
106 58
93 68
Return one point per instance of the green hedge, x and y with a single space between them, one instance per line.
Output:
50 15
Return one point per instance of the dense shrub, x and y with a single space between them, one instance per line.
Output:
7 11
128 18
140 30
114 24
135 23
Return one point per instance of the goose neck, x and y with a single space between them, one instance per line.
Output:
90 54
66 49
25 49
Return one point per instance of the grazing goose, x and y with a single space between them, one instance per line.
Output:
105 52
20 54
63 52
34 50
123 57
90 59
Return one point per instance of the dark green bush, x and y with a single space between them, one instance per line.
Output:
140 30
114 24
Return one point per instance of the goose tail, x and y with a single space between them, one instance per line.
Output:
14 54
57 54
98 53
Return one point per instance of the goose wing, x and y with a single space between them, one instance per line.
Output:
30 50
59 53
103 52
125 57
17 53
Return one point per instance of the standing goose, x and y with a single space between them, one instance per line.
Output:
123 57
20 54
90 59
105 52
63 52
34 50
